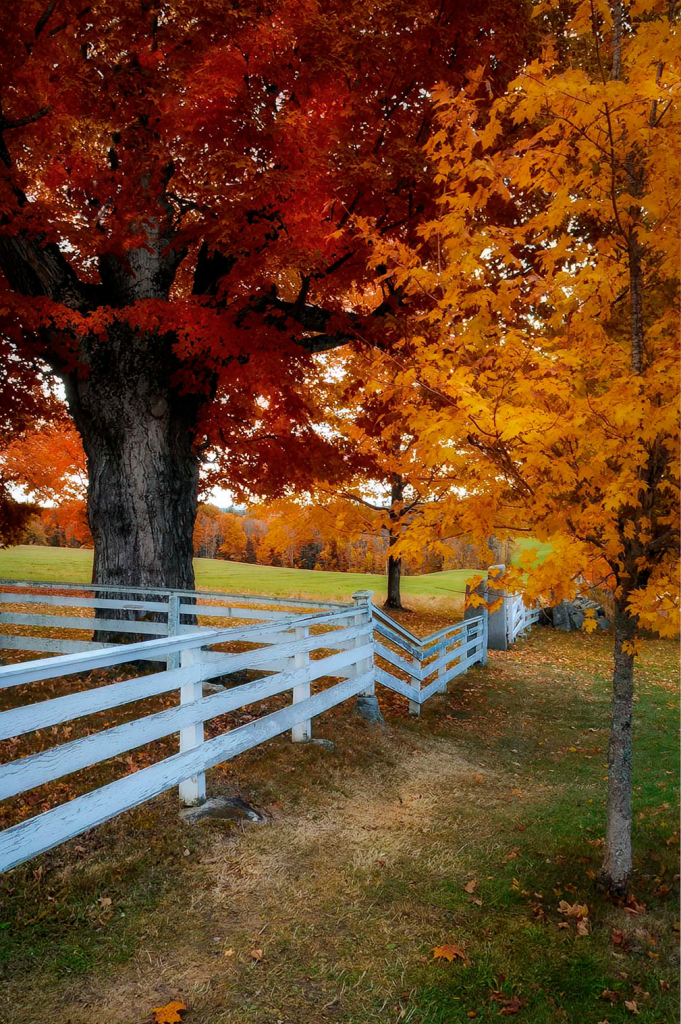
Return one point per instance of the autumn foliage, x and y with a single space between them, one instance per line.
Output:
183 191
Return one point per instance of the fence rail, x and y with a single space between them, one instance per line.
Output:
342 640
519 617
135 612
426 666
289 644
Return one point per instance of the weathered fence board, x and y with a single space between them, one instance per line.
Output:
47 830
296 642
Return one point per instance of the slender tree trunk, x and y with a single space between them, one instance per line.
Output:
617 861
394 599
137 432
394 575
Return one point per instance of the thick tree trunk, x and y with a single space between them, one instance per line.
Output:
137 432
617 862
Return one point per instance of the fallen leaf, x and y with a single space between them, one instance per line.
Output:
451 953
169 1014
583 926
573 910
256 954
631 1005
472 1013
617 937
105 901
512 1006
471 886
229 952
612 997
634 906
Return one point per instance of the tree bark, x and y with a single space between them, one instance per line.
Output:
394 599
617 861
394 575
137 431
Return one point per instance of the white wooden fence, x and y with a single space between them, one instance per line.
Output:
73 611
420 668
342 641
519 618
342 649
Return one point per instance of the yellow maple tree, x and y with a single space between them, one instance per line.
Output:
553 348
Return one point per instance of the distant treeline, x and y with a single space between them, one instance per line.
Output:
263 539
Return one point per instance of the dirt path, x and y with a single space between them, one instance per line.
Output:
296 889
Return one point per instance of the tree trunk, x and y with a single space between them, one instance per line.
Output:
617 861
137 432
394 574
395 564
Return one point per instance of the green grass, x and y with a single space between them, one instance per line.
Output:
74 565
501 781
525 545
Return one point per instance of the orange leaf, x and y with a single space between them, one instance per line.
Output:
257 954
471 886
168 1014
450 953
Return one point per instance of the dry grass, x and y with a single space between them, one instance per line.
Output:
361 870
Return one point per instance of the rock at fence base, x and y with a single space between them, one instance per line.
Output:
368 708
213 688
225 808
561 617
324 744
602 622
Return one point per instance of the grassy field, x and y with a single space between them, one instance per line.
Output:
74 565
478 826
523 544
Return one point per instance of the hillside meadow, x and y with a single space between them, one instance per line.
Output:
438 590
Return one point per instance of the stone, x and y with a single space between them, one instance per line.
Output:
209 688
602 622
576 617
368 708
224 807
561 617
324 744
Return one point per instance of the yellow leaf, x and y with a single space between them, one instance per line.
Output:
451 953
169 1014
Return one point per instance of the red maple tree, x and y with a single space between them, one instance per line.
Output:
182 190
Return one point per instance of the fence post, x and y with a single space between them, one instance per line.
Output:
302 732
192 790
173 660
498 624
367 702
